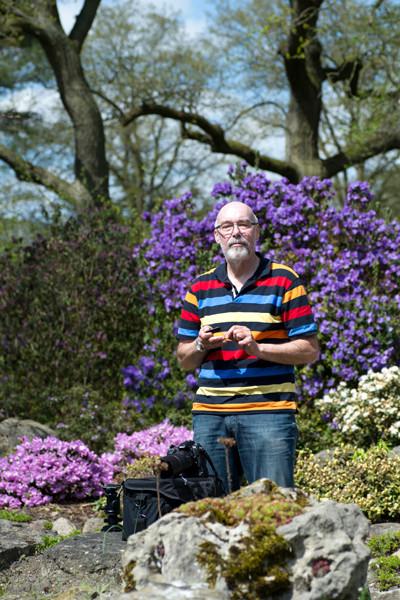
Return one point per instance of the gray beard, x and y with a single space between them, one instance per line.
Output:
237 253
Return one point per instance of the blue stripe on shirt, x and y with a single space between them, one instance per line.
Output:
247 371
245 299
189 332
311 328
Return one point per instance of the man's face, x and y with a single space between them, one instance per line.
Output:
236 234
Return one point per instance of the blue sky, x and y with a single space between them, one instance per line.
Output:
192 11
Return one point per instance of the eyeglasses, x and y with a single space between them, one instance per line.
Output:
227 228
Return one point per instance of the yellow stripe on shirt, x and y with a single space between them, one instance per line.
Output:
240 317
191 298
252 390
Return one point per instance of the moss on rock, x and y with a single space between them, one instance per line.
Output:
254 568
129 580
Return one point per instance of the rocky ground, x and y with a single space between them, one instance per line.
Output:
83 567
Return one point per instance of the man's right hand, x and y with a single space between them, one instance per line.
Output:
190 357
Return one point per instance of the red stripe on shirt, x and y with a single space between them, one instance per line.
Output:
271 281
189 316
302 311
207 285
220 354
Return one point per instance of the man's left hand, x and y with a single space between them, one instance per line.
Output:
243 337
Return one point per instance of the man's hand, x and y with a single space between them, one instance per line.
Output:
301 351
243 337
210 340
189 356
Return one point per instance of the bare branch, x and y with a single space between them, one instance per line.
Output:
84 21
250 109
214 137
378 144
74 193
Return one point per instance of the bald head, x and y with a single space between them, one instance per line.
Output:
235 211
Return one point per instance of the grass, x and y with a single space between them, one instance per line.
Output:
49 542
9 515
386 565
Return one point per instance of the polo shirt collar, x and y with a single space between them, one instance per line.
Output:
263 269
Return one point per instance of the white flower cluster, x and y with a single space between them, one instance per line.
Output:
369 412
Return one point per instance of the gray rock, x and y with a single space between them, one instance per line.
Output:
19 539
330 556
389 595
378 529
87 562
324 455
63 526
171 592
93 524
12 429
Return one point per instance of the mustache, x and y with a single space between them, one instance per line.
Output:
238 240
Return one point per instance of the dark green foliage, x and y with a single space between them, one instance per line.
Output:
382 545
315 433
70 319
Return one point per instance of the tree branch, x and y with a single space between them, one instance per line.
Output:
84 21
378 144
348 71
75 193
214 137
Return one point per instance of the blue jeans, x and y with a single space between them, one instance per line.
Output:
265 446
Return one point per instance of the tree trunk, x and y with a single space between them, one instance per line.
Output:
301 53
91 166
40 19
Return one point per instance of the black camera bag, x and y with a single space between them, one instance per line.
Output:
140 501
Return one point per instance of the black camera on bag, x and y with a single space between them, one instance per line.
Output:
188 460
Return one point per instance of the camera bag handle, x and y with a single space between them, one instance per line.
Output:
211 463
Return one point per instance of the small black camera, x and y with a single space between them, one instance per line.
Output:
188 460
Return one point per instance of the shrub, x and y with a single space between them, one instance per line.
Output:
367 413
154 442
369 478
51 470
79 312
68 324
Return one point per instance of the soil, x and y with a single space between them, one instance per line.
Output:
76 512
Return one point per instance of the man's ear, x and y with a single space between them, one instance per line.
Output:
216 235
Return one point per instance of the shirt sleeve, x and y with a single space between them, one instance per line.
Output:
296 312
189 323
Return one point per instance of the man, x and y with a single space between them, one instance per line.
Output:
246 380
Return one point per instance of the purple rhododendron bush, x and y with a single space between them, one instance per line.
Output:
52 470
348 258
154 441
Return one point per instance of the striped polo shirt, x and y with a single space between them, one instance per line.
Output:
274 306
